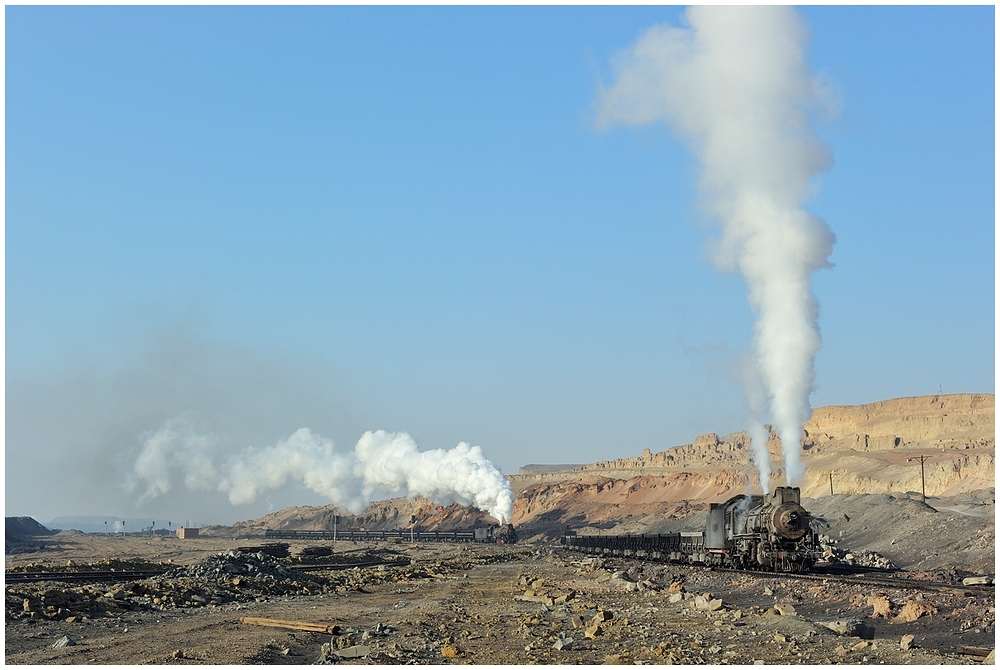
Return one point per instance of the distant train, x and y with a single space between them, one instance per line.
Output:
495 534
753 532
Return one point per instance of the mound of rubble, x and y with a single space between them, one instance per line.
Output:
868 559
234 564
228 577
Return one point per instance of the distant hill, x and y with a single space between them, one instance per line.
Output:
22 533
105 524
24 526
535 468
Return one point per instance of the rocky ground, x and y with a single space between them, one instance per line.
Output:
469 604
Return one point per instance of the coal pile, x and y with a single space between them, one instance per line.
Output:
22 535
275 549
234 564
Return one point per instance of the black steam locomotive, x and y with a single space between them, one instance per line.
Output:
754 532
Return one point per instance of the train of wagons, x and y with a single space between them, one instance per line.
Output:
495 534
750 532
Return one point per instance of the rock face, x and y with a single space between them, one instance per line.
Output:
864 446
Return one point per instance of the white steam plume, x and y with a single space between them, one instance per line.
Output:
756 396
736 87
382 465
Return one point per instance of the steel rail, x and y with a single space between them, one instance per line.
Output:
130 575
884 582
348 566
83 576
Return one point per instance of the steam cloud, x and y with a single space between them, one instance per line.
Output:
736 87
382 465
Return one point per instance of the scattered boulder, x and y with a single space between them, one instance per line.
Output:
906 642
563 643
881 607
785 609
914 609
357 651
64 641
850 628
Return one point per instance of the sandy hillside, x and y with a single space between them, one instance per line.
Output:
864 447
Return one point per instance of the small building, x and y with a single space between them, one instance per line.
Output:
186 533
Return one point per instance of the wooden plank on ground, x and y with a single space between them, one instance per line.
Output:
973 651
292 625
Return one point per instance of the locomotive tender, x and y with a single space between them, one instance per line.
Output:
755 532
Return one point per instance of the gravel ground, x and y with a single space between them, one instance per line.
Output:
475 604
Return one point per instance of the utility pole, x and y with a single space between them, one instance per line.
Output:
413 521
831 482
923 491
335 518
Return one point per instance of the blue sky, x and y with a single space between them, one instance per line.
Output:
404 219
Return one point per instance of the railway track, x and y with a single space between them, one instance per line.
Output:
865 579
98 576
348 566
91 576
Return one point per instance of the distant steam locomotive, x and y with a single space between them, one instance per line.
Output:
753 532
495 534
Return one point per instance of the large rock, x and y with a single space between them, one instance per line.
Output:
881 607
357 651
914 609
850 628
